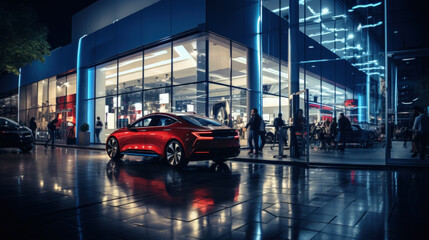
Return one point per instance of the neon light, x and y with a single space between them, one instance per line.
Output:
365 6
280 9
19 92
335 40
78 66
360 27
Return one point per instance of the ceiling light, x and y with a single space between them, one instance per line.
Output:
408 59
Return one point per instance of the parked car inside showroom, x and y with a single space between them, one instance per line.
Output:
176 138
13 135
361 136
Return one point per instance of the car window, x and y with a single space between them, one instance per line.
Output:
8 123
354 128
145 122
199 121
165 121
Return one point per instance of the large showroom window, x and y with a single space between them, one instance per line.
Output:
190 98
106 79
157 67
239 66
188 58
130 73
157 100
219 60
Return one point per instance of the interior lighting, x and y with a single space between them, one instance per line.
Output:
350 36
408 59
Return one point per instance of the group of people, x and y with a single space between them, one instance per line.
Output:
332 134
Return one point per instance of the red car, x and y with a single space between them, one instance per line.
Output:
177 138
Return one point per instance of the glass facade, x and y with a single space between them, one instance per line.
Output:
173 79
340 59
341 63
46 100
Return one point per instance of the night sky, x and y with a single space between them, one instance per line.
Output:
56 15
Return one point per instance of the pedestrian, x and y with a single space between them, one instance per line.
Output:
52 128
409 129
344 126
253 125
278 124
333 131
421 133
298 124
262 133
33 126
98 128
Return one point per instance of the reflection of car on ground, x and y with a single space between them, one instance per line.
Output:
14 135
197 186
178 138
360 136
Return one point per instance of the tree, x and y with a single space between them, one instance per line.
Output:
22 38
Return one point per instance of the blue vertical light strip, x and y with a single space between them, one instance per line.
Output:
78 79
260 58
396 95
19 93
360 110
90 113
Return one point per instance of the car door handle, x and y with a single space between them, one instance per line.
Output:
144 130
166 129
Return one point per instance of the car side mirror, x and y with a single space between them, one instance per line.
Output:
129 126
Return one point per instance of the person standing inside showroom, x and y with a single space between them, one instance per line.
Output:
254 125
98 128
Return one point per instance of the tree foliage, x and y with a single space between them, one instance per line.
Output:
22 38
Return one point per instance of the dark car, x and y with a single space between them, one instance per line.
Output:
177 138
363 137
13 135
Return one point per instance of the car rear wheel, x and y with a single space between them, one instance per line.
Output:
175 155
112 148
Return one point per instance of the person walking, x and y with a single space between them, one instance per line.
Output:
298 133
333 131
98 128
421 134
51 129
344 126
253 125
262 133
33 126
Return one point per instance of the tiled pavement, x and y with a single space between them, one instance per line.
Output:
80 194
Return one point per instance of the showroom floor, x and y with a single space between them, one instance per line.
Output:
70 193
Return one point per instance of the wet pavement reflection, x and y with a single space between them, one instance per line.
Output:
81 194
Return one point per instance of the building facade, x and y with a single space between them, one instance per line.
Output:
215 58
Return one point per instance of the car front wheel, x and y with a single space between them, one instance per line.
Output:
175 155
112 148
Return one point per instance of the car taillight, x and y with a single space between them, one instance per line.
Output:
203 135
236 134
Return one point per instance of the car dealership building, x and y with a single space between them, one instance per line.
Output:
217 58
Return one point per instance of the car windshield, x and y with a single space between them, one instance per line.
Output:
8 123
199 121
